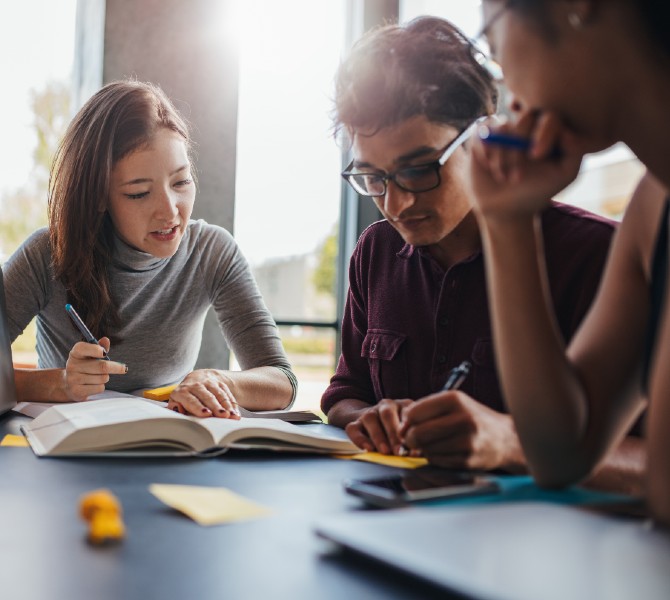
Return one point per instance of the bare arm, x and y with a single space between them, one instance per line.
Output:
345 411
212 392
569 407
658 432
623 469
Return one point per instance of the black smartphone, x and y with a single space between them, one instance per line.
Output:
426 483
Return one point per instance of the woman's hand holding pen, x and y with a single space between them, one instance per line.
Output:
86 373
508 180
205 393
377 428
453 430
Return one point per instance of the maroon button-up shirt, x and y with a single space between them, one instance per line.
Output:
407 322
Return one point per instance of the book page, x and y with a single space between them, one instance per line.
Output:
113 424
257 431
290 416
33 409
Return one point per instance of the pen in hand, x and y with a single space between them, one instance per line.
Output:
503 139
88 336
454 380
457 376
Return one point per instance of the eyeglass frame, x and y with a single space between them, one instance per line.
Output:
494 18
437 165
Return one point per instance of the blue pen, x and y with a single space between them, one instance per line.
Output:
503 139
88 336
457 376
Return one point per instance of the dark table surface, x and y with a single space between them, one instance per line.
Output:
44 553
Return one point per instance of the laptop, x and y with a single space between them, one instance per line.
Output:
7 388
515 551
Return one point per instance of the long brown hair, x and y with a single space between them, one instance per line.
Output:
120 118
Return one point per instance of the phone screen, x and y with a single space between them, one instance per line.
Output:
427 483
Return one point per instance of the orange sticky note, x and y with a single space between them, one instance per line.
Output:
161 393
14 440
402 462
208 505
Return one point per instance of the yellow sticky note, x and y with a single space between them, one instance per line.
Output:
208 505
14 440
389 460
161 393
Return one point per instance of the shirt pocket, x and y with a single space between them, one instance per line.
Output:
486 388
385 353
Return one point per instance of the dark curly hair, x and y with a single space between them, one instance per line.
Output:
425 67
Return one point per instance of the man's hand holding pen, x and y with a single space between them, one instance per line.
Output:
453 430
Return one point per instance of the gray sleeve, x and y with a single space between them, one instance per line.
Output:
246 323
27 279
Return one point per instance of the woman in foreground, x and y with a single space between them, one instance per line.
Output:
586 74
122 249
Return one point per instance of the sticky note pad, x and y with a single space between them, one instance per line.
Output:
208 505
14 440
161 393
402 462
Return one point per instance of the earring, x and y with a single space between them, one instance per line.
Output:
575 21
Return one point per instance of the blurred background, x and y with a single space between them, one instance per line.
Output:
255 78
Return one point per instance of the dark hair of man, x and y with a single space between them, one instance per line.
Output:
119 119
425 67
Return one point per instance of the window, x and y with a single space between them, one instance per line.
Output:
288 164
34 116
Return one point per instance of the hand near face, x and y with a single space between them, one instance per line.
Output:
377 428
205 393
453 430
86 373
507 181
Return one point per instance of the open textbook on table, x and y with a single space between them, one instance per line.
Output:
126 424
33 409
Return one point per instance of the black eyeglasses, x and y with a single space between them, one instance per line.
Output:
415 179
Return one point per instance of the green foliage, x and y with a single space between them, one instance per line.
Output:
25 210
325 273
51 108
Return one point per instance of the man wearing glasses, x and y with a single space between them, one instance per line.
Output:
408 97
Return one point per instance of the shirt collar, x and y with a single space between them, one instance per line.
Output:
128 258
407 251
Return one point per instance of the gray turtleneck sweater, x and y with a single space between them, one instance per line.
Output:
162 304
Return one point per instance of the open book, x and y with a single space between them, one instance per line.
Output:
123 424
34 409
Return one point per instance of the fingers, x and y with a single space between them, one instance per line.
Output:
359 436
105 343
438 430
206 397
428 408
85 373
377 429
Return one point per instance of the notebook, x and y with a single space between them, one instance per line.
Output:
7 389
517 551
